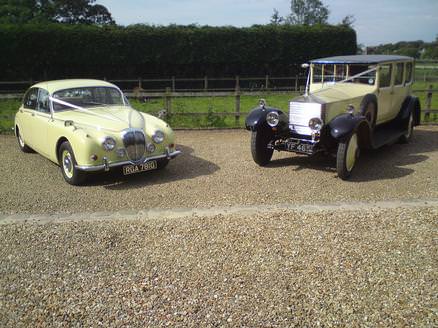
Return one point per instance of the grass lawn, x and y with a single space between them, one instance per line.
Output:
207 105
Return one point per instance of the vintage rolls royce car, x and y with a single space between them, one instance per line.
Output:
89 126
350 103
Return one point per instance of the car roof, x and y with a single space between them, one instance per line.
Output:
361 59
53 86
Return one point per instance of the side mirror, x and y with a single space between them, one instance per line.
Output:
305 65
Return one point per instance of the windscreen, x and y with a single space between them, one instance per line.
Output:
87 97
341 73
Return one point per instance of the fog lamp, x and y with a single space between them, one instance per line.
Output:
120 152
150 148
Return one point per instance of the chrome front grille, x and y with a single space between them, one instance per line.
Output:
135 144
300 114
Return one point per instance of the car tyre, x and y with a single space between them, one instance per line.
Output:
348 152
405 138
23 147
68 164
259 148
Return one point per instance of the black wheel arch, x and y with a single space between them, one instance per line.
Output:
369 98
256 120
411 104
344 125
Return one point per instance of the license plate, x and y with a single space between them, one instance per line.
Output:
299 146
132 169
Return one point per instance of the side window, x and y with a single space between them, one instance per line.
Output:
408 78
30 99
399 73
43 101
385 76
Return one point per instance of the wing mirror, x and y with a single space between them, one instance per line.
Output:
305 65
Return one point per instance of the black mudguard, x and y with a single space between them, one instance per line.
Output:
342 126
256 119
410 105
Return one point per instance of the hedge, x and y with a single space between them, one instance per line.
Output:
64 51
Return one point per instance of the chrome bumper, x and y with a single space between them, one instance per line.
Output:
106 166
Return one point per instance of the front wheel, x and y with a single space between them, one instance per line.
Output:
68 164
23 147
347 155
259 148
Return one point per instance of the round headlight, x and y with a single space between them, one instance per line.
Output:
109 144
150 148
158 137
272 119
315 124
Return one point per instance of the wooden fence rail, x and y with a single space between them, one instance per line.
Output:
430 115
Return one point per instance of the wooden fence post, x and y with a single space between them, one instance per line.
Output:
428 103
168 102
205 83
266 82
237 95
173 84
296 83
139 83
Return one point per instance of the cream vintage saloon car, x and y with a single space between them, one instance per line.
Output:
89 126
351 102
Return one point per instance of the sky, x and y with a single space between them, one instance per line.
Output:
377 21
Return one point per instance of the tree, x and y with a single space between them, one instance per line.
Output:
18 11
61 11
348 21
276 19
81 12
307 12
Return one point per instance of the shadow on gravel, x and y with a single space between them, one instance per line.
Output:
185 166
388 162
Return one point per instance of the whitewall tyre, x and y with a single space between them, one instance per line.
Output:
68 164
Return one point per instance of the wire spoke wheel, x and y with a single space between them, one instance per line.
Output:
67 163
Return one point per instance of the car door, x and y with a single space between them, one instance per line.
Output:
41 121
27 110
385 92
400 91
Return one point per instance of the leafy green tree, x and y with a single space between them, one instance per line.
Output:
81 12
276 19
348 21
62 11
307 12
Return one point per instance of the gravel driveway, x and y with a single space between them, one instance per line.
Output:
282 246
217 170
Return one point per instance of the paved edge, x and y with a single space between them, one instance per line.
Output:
177 213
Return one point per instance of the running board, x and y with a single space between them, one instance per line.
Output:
387 133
